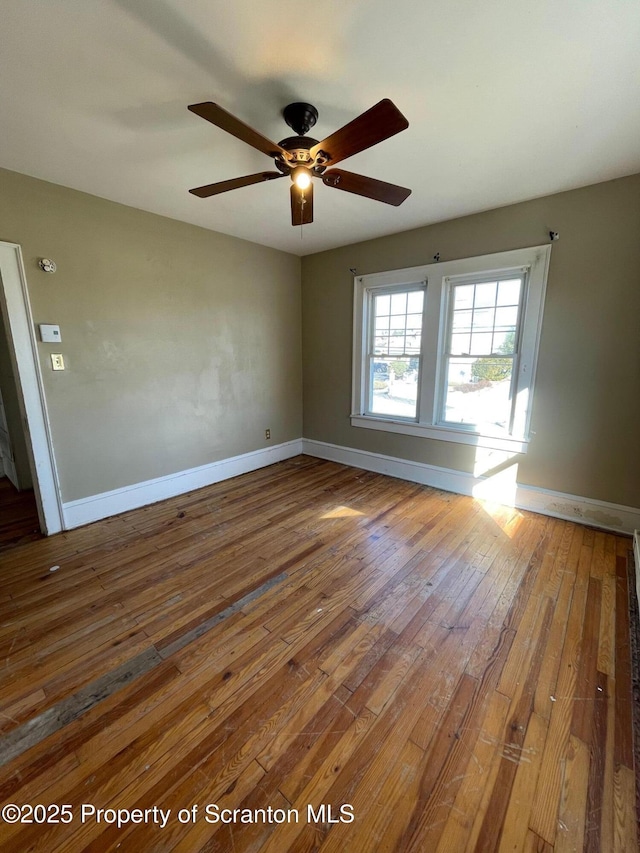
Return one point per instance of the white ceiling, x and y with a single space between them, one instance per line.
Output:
506 100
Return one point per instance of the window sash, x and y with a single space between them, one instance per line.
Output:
450 284
371 295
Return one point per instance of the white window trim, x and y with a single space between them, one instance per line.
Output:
535 261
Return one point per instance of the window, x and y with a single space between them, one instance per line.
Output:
448 350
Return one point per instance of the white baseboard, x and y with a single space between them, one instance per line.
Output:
499 489
608 516
84 511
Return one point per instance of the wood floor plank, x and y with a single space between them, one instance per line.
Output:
457 672
457 833
606 633
573 800
595 790
383 803
547 799
195 835
294 769
547 685
516 820
315 791
505 610
608 771
624 739
443 769
625 836
587 676
534 844
520 712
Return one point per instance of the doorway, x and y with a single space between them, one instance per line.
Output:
19 520
27 440
18 509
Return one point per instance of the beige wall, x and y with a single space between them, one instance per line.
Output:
182 345
586 414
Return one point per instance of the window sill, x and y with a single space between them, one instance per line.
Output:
441 433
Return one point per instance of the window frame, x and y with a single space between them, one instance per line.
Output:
438 280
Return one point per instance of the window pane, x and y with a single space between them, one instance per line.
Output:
485 294
398 303
483 319
460 344
396 342
481 343
506 318
383 304
478 392
394 386
381 344
509 292
412 343
413 338
462 321
504 342
463 296
415 301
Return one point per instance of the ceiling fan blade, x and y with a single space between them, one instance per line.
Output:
224 120
380 122
235 183
368 187
301 205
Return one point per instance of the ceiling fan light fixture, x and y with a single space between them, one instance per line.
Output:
303 158
301 178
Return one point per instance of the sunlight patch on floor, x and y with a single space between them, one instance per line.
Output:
342 512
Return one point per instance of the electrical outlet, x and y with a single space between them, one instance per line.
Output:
267 433
57 361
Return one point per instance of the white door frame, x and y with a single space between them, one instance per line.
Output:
16 310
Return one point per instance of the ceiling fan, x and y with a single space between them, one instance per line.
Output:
303 158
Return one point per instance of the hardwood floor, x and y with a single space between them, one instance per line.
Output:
18 515
454 675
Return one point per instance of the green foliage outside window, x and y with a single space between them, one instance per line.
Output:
399 368
495 369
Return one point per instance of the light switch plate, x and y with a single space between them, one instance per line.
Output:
57 361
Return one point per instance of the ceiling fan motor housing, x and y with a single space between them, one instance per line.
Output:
298 148
300 117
